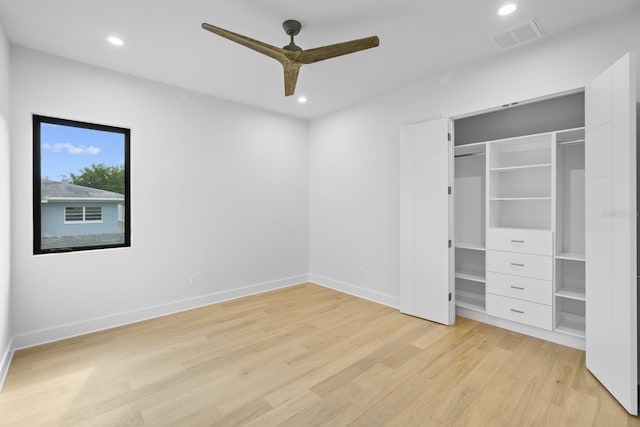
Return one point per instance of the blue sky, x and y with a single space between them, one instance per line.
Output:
66 149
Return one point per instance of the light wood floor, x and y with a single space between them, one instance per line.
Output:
304 356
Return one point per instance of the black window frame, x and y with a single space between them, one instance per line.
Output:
37 206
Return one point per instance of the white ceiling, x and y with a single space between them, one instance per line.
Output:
164 41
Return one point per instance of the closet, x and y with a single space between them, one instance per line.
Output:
541 230
519 215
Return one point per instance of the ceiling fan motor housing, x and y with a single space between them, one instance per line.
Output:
292 27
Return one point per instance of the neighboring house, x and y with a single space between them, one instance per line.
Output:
75 210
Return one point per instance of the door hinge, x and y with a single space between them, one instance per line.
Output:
449 296
449 190
449 243
449 136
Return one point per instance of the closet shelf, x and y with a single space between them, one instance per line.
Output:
519 228
500 199
519 168
470 275
571 293
470 300
571 256
470 246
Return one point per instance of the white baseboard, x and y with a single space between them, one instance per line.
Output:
556 337
357 291
5 362
61 332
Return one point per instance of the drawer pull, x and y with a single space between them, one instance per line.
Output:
517 265
517 241
517 287
517 311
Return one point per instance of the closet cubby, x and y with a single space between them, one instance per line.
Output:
570 279
521 153
470 279
470 264
570 317
527 214
532 182
470 295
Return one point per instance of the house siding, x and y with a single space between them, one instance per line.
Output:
53 219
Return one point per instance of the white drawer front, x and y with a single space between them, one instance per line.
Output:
524 288
537 242
535 266
531 313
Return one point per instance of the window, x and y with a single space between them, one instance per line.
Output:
75 214
80 186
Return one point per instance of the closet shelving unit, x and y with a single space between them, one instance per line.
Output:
520 178
518 199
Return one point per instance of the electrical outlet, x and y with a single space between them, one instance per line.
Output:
193 280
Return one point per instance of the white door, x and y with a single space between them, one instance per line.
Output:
610 173
426 261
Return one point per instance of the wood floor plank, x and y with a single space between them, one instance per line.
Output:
304 356
334 409
285 411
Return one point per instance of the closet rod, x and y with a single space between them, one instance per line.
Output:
469 154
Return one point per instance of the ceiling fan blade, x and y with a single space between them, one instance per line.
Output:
331 51
258 46
290 78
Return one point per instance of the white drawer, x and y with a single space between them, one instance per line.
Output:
531 313
535 266
524 288
537 242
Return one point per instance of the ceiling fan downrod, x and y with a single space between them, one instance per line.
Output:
292 28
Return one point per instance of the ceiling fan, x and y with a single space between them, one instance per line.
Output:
291 56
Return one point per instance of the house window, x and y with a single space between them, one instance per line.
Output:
81 194
82 214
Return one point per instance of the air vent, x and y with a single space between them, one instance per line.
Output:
517 35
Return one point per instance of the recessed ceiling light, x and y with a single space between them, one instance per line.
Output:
507 9
302 99
116 41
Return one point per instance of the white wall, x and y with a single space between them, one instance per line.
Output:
354 153
218 189
5 270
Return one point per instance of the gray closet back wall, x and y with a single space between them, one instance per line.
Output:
564 112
